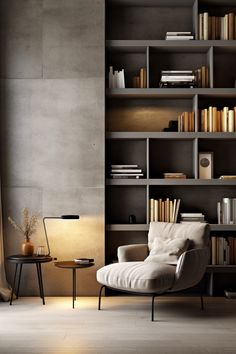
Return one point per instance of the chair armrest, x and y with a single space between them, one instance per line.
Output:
190 268
132 253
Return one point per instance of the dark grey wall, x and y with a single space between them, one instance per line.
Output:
52 114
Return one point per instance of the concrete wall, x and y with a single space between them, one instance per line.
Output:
52 118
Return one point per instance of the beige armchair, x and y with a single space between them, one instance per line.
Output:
174 259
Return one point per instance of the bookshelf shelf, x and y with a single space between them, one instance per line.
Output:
149 93
136 117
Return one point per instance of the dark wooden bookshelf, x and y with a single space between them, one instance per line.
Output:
136 117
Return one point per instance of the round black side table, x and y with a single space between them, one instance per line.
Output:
73 266
20 260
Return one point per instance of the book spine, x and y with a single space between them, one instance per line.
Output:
225 119
155 210
219 213
210 119
200 27
231 25
214 119
213 250
205 26
231 120
151 209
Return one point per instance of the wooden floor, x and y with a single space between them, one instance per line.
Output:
123 326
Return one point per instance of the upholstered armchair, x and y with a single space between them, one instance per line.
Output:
174 259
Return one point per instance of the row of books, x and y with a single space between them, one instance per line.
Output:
192 217
178 78
214 120
216 27
164 210
223 250
226 211
186 122
126 171
173 36
140 81
116 78
202 77
174 175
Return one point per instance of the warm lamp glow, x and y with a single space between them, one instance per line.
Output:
64 217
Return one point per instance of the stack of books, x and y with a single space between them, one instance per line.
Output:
164 210
178 78
214 120
126 171
116 78
173 36
192 217
174 175
186 122
215 27
226 211
140 81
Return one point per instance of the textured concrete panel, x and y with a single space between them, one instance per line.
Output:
73 38
54 133
68 238
21 38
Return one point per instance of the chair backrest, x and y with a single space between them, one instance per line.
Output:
197 233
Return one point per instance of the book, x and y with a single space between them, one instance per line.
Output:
83 260
127 174
205 25
126 170
124 166
227 177
191 215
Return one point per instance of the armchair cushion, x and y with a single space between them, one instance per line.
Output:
143 277
197 233
136 252
167 251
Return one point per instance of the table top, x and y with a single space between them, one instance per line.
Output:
19 258
72 265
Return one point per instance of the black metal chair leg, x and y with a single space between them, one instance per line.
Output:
99 297
14 282
153 302
201 295
19 279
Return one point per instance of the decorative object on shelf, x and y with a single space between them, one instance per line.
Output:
28 228
172 127
132 219
205 165
116 78
65 217
226 211
174 175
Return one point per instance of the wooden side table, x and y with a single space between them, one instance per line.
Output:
20 260
73 266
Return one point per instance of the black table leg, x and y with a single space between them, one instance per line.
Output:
19 279
40 279
14 282
74 287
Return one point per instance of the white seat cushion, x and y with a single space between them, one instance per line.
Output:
146 277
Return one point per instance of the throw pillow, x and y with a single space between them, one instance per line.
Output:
168 251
